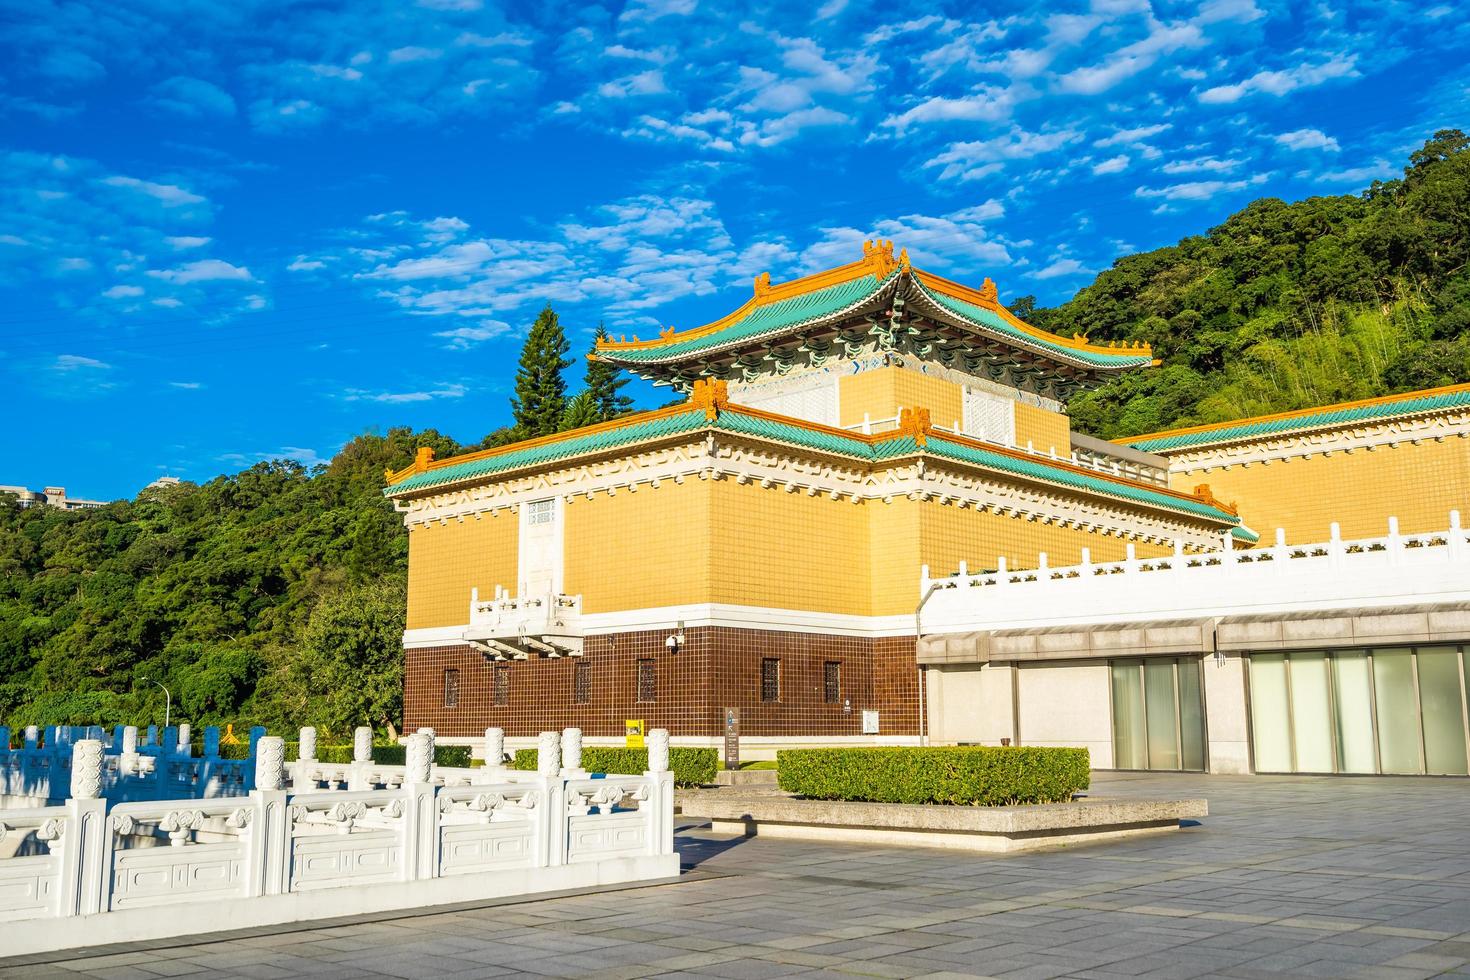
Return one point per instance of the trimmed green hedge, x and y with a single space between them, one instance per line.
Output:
966 776
453 756
691 767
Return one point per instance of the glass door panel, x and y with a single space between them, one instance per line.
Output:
1161 710
1191 716
1398 712
1270 721
1130 746
1353 690
1443 712
1311 720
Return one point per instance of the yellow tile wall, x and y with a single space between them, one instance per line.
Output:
788 550
882 392
640 550
1419 485
1046 431
949 535
446 561
893 534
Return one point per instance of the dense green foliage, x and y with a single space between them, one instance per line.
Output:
1289 306
691 767
966 776
541 389
384 753
272 596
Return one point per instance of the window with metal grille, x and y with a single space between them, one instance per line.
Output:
581 682
451 689
647 680
832 682
771 679
502 684
541 512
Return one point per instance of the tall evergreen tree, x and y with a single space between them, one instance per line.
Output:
581 410
605 382
541 390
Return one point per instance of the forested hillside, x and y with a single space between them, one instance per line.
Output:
276 595
1290 305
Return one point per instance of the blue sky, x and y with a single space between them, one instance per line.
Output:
238 231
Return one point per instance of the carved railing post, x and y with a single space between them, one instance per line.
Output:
548 754
661 794
420 815
83 841
151 739
301 769
33 737
211 742
571 752
430 735
186 740
270 845
495 749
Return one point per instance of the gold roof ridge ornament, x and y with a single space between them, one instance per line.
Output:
914 422
710 394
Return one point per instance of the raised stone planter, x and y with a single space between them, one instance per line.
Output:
746 777
969 828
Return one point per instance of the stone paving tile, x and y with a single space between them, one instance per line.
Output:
1289 876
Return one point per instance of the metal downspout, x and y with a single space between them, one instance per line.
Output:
918 635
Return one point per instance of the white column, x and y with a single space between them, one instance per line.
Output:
33 736
658 750
548 754
1225 714
661 794
420 830
84 843
270 845
186 740
362 758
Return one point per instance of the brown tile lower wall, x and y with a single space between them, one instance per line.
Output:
717 668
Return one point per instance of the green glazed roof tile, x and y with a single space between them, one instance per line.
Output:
771 318
990 320
1040 470
1329 416
547 452
741 423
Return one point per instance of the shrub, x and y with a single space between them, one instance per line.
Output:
691 767
967 776
453 756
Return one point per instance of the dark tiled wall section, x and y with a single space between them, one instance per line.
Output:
715 669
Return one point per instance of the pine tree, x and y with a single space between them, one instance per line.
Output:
541 391
605 382
581 410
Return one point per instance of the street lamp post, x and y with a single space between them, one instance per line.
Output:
168 699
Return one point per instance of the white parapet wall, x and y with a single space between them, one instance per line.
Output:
88 873
1370 573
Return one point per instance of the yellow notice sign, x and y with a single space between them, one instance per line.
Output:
633 728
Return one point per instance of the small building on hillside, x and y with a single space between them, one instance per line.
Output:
773 544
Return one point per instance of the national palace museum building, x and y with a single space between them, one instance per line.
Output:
871 524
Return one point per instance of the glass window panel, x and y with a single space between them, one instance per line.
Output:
1129 749
1270 723
1311 723
1444 721
1191 715
1398 716
1163 726
1354 695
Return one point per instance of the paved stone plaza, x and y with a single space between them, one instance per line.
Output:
1289 876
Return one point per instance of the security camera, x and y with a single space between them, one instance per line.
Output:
674 642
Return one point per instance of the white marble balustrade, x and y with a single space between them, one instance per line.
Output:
148 869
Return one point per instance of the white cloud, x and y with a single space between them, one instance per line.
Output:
192 98
1201 165
1378 170
1308 139
75 362
1062 267
1198 190
123 292
187 241
414 52
650 82
304 264
464 338
1112 165
989 104
186 385
1282 82
405 397
204 270
170 195
972 160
